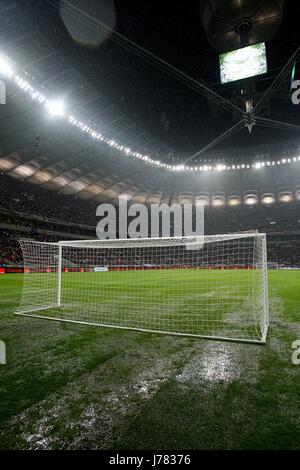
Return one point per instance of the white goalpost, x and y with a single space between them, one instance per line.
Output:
214 289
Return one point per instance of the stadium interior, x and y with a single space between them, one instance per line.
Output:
110 99
54 171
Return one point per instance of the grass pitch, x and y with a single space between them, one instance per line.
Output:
219 303
68 386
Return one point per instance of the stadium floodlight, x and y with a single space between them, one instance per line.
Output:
220 167
55 108
5 67
168 285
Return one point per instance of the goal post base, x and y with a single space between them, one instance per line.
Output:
37 309
143 330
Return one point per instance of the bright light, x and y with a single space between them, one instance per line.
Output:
202 201
250 200
234 201
218 201
285 197
55 108
5 67
268 199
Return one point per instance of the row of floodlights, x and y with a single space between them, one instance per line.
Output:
56 108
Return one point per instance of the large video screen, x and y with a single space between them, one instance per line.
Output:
243 63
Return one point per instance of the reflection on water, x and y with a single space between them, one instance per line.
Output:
221 362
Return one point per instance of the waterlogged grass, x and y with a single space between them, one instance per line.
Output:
68 386
188 301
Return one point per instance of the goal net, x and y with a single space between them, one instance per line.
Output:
217 289
272 265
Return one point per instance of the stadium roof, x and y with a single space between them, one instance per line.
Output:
48 151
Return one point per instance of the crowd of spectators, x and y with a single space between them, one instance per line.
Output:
19 196
31 211
285 253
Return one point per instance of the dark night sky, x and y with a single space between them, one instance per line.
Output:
172 30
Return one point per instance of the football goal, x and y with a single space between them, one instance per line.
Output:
213 289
